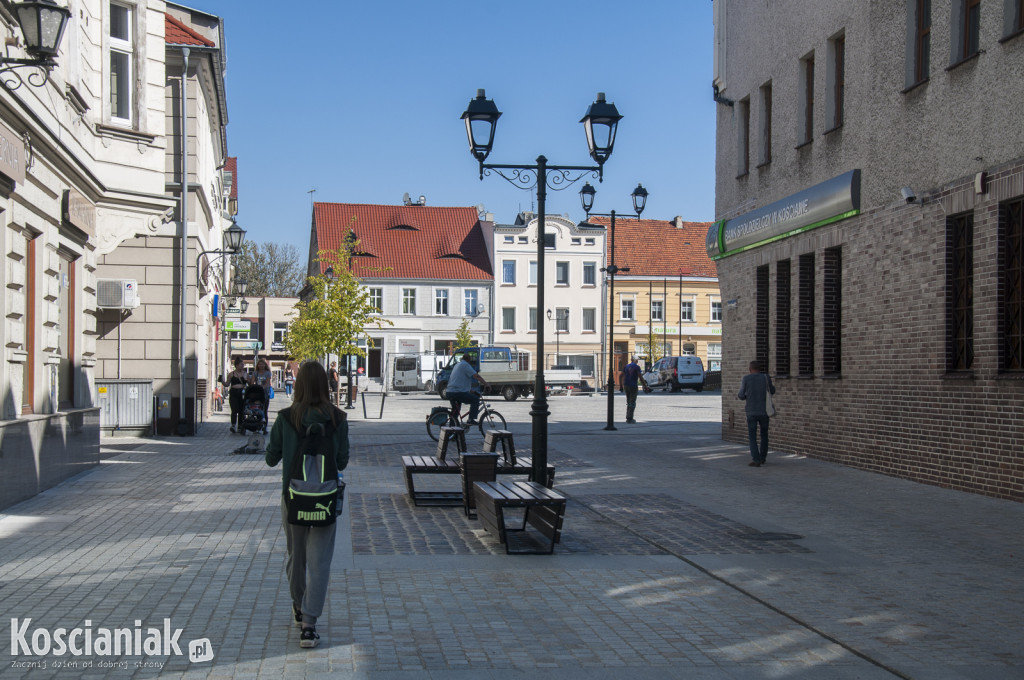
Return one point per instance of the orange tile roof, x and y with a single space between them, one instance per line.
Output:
177 33
409 242
659 248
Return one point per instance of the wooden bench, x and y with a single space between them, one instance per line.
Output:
451 434
492 439
476 467
544 510
431 465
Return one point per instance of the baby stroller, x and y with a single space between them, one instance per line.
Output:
254 411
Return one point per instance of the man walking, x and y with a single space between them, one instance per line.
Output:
632 376
754 389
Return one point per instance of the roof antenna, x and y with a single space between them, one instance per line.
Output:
311 192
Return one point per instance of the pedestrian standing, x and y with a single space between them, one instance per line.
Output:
632 377
263 378
334 381
289 378
754 389
236 382
310 548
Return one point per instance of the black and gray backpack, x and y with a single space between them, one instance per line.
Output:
315 494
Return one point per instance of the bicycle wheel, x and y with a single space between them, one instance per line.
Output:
435 422
491 420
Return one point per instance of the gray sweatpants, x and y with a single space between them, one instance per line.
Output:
310 550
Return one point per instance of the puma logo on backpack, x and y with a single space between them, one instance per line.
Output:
313 487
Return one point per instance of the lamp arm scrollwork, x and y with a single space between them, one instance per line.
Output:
558 177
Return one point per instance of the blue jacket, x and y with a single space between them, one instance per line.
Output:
752 390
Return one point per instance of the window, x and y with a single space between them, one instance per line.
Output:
806 111
508 272
761 318
964 29
280 328
575 240
766 123
549 240
716 311
377 299
1011 281
441 302
743 138
626 308
589 320
562 273
832 312
533 273
1013 17
805 310
408 301
782 311
589 273
523 239
960 292
590 241
508 319
470 299
836 82
121 56
686 310
919 41
714 350
657 310
533 319
561 319
510 239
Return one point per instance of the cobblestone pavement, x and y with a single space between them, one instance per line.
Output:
677 561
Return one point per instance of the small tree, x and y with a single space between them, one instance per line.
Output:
463 338
338 311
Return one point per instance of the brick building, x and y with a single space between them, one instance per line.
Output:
870 185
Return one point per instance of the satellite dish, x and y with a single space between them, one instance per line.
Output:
405 198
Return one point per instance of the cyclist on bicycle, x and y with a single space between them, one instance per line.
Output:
460 388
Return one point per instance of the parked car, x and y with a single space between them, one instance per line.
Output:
653 377
681 371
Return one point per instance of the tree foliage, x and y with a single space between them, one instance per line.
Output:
272 269
463 338
337 312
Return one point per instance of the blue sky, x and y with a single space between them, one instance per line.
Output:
361 101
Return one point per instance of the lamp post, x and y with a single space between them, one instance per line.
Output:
600 125
557 317
639 196
42 24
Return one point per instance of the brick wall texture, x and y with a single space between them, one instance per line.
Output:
894 408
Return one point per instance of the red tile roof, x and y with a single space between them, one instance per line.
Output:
659 248
408 242
177 33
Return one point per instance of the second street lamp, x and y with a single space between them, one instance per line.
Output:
639 196
600 125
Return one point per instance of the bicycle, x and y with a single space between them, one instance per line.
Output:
441 416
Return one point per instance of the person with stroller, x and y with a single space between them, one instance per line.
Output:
263 377
236 381
310 548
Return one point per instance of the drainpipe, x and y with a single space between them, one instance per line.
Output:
183 264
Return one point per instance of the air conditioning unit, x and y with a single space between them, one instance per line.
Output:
117 293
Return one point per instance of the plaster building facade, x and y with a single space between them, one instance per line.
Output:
268 319
669 298
170 339
574 256
427 269
869 186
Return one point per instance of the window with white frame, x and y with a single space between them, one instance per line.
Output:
508 318
716 311
562 273
686 310
627 308
561 319
408 301
588 241
441 302
533 320
280 329
533 273
523 239
508 272
377 299
121 49
470 298
657 310
589 320
575 240
510 239
589 273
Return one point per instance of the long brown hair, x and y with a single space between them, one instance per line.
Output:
312 392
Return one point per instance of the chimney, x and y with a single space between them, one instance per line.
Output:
677 222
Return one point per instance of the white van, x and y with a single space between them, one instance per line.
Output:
681 371
417 372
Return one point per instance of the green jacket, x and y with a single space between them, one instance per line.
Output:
284 441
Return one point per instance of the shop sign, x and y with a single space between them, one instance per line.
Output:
236 326
79 211
246 344
12 154
830 201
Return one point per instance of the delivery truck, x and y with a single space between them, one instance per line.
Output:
499 367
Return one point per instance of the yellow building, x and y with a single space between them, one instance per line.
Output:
669 298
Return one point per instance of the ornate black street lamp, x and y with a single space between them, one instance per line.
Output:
558 316
42 25
233 238
600 124
639 196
